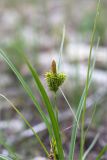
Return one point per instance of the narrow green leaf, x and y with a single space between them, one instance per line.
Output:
49 108
26 87
61 48
74 115
92 117
95 105
90 147
82 104
28 124
82 141
8 148
102 152
78 115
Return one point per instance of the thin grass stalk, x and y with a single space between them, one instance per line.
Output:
90 147
91 121
102 152
28 124
61 49
78 114
11 152
87 81
55 106
27 89
49 107
74 115
95 105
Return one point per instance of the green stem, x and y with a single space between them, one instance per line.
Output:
87 81
56 108
56 115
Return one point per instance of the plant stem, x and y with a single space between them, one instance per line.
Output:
87 81
56 108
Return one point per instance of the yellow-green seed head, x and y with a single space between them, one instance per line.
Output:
54 79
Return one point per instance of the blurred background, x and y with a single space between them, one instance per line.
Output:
35 27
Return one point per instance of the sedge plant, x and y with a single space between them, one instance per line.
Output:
55 79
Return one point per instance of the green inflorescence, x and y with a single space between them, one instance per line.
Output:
54 80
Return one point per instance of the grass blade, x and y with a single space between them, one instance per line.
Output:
69 107
90 147
78 115
61 48
102 152
26 87
74 131
28 124
95 105
49 107
8 148
92 117
82 104
87 81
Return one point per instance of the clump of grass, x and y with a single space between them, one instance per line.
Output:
54 80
